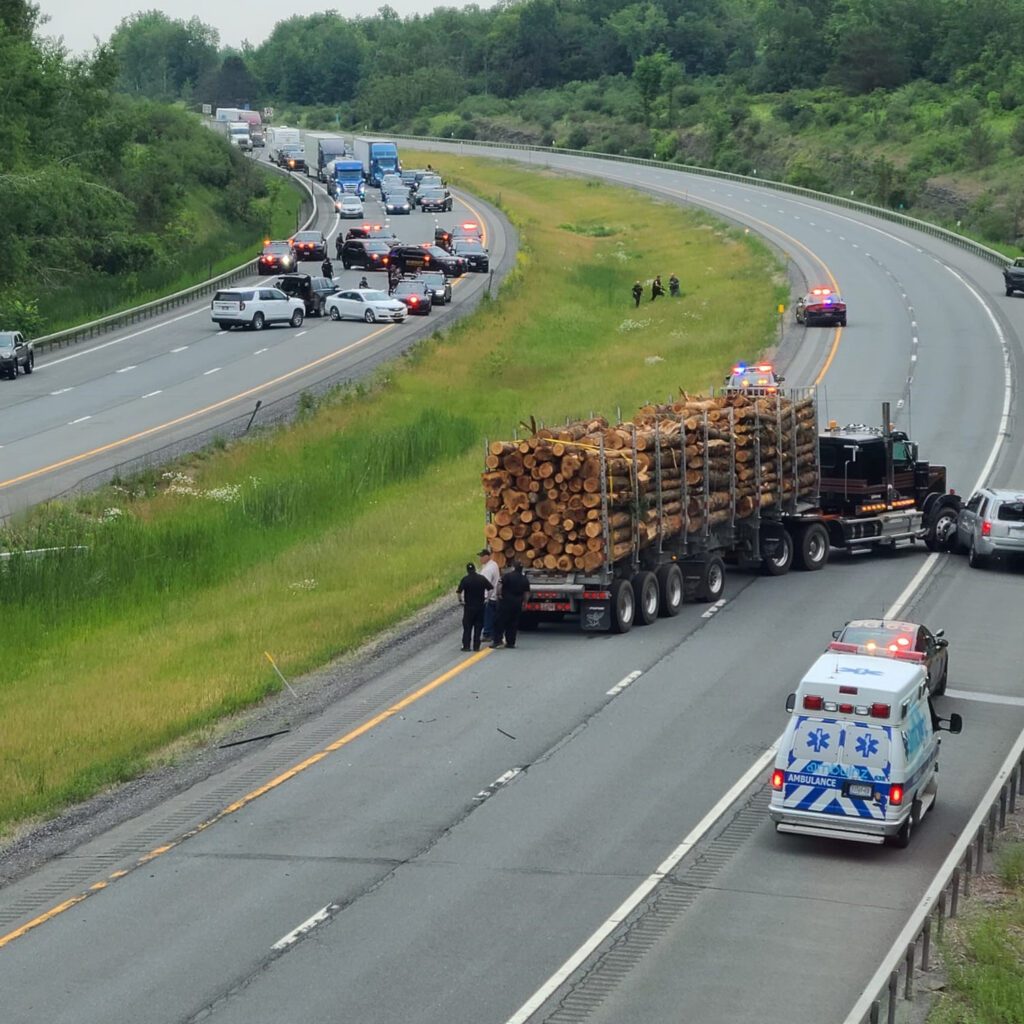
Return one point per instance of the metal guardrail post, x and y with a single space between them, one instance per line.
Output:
942 913
926 942
1013 789
990 842
874 1012
979 844
894 985
968 866
1002 807
908 981
954 896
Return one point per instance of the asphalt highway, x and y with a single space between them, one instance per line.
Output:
100 404
463 839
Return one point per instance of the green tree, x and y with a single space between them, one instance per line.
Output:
640 28
648 74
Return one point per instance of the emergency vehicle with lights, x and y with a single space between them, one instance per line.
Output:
872 491
757 380
821 306
860 755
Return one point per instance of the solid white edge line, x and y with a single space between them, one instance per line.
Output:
986 698
549 987
903 940
308 925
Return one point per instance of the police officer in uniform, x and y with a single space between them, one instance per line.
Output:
514 588
472 591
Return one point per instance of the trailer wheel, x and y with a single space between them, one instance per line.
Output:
779 563
941 529
712 580
645 593
670 583
811 547
623 606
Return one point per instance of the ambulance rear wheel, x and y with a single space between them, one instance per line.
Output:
902 838
712 580
670 582
645 591
811 547
623 606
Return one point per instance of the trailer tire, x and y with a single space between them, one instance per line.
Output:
811 547
645 592
782 561
623 606
712 580
670 587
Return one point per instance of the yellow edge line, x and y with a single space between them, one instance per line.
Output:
267 787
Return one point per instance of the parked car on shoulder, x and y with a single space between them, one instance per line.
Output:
313 291
15 354
255 308
367 304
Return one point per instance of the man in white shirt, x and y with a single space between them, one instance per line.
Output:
490 571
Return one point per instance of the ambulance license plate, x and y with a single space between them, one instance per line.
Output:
863 789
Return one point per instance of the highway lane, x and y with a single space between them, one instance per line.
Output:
468 905
99 404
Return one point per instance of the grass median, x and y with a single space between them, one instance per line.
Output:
305 542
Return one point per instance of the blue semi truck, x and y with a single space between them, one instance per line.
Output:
377 157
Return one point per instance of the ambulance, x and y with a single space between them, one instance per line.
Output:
859 758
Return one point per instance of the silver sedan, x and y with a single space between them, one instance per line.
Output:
365 304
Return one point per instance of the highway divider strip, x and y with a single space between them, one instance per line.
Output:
248 798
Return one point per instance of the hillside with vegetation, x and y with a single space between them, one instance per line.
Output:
913 104
105 198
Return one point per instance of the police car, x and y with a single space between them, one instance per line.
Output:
759 379
859 758
820 306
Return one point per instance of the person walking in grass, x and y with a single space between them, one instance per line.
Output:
673 287
657 288
472 591
638 293
490 571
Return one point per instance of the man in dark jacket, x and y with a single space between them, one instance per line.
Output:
657 288
472 591
638 293
514 588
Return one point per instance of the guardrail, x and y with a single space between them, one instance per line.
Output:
992 255
130 316
893 982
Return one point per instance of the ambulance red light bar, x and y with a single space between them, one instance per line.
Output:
871 648
821 291
778 777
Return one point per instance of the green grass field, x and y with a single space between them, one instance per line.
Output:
306 542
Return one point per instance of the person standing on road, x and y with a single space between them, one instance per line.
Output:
327 268
657 288
638 293
490 571
514 588
394 276
363 283
472 591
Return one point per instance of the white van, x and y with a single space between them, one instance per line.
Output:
859 757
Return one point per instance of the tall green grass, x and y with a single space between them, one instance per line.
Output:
305 542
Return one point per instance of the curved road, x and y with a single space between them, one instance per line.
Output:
465 838
154 386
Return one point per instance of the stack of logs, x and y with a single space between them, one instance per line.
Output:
722 459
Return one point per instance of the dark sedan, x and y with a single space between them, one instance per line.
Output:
821 306
435 200
310 245
477 258
415 293
412 258
899 640
366 253
439 284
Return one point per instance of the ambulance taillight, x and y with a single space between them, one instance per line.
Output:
778 777
812 703
896 795
881 710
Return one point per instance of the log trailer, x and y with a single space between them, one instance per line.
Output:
667 530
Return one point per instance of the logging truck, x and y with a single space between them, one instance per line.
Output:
616 525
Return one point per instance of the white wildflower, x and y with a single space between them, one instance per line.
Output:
307 584
633 325
651 360
227 494
112 513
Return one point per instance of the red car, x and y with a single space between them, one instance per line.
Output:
821 306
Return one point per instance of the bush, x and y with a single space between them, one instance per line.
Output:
20 313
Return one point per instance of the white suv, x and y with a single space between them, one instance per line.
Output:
255 308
